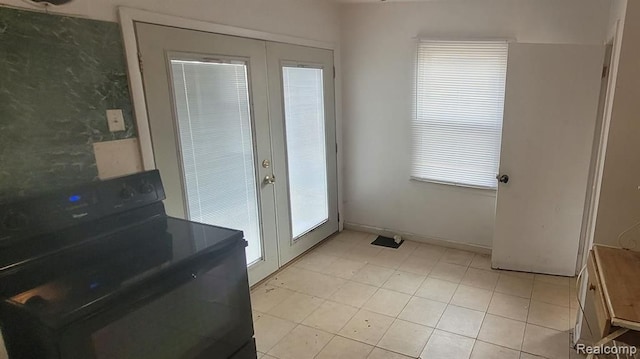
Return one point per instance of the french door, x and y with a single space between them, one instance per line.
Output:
303 133
243 134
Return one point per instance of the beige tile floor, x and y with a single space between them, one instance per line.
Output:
350 299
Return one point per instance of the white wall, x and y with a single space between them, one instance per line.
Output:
615 30
312 19
619 205
617 13
308 19
617 193
378 59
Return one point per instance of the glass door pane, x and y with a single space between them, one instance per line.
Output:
305 148
216 146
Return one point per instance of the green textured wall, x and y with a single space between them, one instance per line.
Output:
58 76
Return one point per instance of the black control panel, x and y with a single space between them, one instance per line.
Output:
66 208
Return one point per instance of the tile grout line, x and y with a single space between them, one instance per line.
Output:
394 320
412 295
404 307
324 346
498 345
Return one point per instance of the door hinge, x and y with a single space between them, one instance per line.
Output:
336 147
338 216
334 72
605 71
140 62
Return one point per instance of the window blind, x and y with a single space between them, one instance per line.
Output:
459 106
216 146
306 153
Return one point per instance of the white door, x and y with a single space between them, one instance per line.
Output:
550 113
243 133
301 96
208 113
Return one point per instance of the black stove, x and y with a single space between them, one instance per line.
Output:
102 272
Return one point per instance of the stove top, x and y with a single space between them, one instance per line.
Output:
82 266
82 278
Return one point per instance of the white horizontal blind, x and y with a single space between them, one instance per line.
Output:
306 153
216 144
458 116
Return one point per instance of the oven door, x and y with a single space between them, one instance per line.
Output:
202 311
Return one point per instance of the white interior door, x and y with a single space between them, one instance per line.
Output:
550 112
301 96
207 103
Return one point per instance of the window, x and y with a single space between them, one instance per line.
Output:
306 153
458 115
214 126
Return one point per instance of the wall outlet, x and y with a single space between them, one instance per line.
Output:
115 120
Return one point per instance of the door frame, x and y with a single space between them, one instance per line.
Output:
597 164
600 149
128 18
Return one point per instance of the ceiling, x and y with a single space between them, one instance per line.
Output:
377 1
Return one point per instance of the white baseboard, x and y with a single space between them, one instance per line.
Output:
418 238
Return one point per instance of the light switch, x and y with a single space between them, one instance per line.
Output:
115 120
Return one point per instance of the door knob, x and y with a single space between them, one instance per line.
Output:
269 179
503 178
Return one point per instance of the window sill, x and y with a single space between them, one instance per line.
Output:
457 185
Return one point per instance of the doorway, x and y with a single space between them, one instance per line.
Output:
243 133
